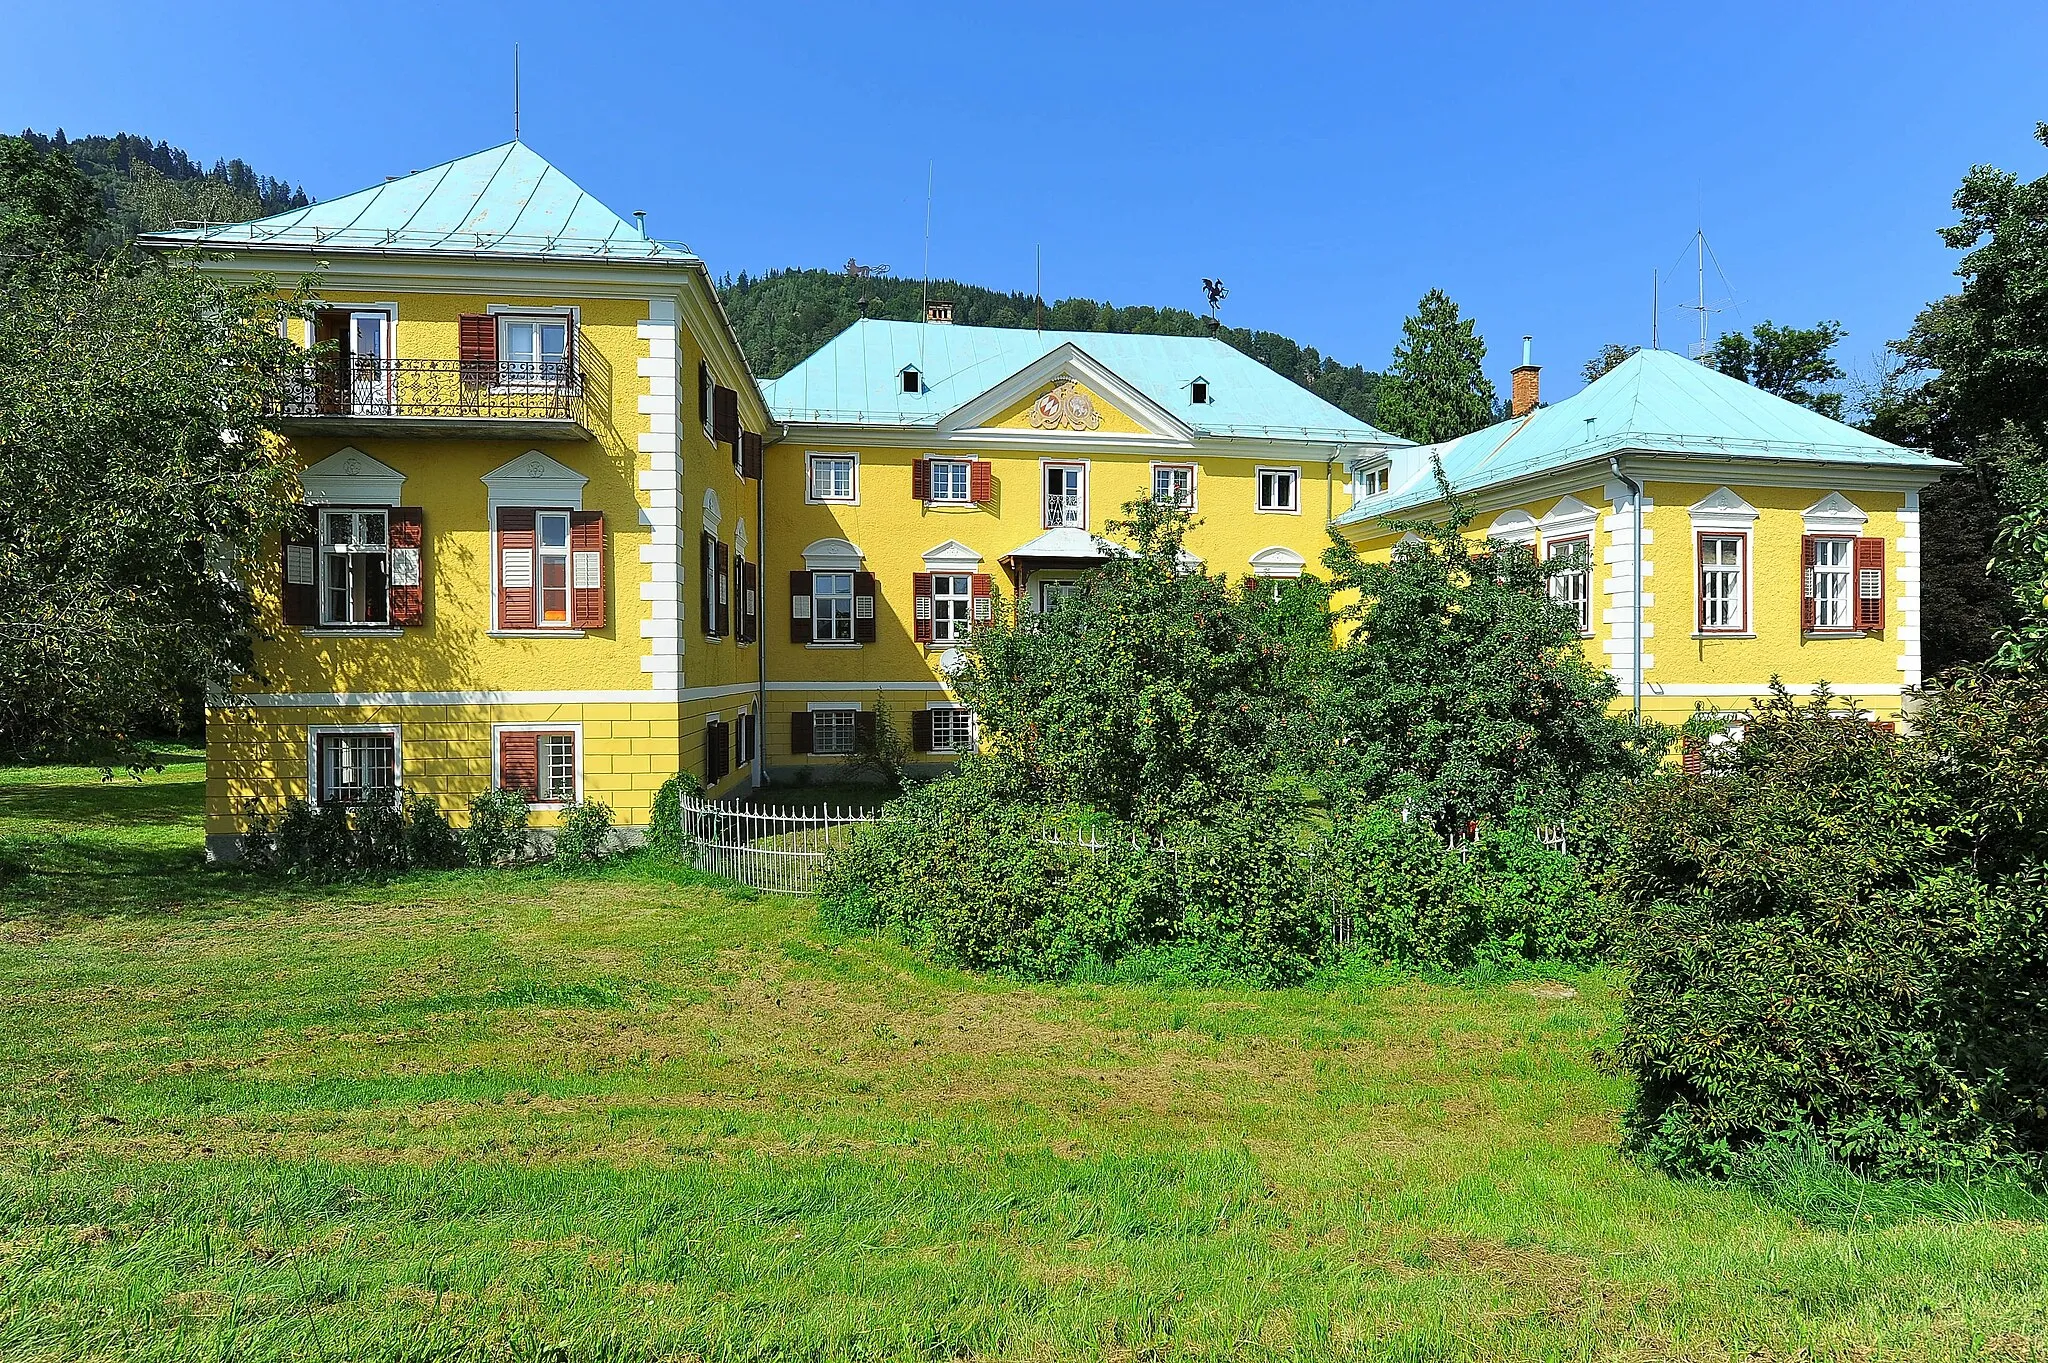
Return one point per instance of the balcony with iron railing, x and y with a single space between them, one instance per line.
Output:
1064 508
374 395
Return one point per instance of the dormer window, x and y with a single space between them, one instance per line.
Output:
1198 391
1373 482
913 382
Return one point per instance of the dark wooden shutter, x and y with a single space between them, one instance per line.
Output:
800 733
921 610
921 479
864 608
477 343
519 764
1870 584
1691 756
750 455
515 563
716 763
299 568
725 416
984 607
921 730
864 728
723 553
800 610
707 581
981 482
1806 558
587 575
408 566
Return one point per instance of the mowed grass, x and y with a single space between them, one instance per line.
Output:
521 1116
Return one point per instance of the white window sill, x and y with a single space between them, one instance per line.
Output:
354 632
1818 634
1724 634
931 505
824 643
536 634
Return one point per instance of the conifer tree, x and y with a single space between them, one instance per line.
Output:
1437 389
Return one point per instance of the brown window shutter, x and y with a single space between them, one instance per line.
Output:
1690 756
723 552
800 733
707 581
1806 557
331 368
921 480
921 597
800 610
984 589
299 568
477 343
408 566
1870 584
981 482
515 551
921 730
864 727
519 764
587 565
725 416
715 765
750 455
864 608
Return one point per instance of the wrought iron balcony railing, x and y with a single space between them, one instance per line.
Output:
436 391
1063 508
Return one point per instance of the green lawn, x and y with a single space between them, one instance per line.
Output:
513 1116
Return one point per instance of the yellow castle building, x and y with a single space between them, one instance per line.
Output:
556 538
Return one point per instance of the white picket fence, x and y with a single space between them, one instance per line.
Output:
778 848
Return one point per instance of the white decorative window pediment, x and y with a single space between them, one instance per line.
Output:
348 477
1516 527
713 512
1835 514
952 556
534 479
1568 518
1278 561
832 555
1721 509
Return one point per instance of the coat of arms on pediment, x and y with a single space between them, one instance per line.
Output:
1064 407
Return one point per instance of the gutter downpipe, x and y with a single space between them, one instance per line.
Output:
1635 497
760 599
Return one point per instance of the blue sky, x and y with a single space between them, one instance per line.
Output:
1540 162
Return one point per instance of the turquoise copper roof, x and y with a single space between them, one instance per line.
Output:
1654 402
856 378
507 201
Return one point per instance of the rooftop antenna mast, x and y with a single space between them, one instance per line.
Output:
1699 243
515 92
1039 323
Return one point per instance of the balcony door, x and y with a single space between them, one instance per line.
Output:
369 363
1063 503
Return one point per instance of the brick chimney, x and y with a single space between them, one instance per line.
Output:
939 312
1522 396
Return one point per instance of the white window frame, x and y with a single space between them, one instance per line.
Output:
965 620
818 709
319 731
1374 481
1187 503
322 550
852 595
1051 587
931 490
1584 574
573 728
1846 572
811 461
502 314
966 743
1080 467
1293 472
707 390
1745 584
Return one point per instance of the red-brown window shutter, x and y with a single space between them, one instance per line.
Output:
477 346
1807 553
519 764
800 733
587 574
750 455
864 727
984 589
800 610
1690 756
707 581
981 482
921 730
864 608
515 564
408 566
1870 585
725 416
921 598
921 479
299 569
723 553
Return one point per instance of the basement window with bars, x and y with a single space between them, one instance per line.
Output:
355 767
832 731
952 729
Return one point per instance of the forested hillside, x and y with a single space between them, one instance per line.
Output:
785 315
147 186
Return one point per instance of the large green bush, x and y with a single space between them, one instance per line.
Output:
1838 938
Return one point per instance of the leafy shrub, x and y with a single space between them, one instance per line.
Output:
385 834
497 832
583 834
666 836
1838 939
430 840
1407 896
1535 902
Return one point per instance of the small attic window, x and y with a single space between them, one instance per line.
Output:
1198 391
913 382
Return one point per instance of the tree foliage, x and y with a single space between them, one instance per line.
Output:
1436 388
1610 355
1795 363
138 478
146 186
784 316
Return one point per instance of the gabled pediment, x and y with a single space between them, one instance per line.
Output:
1722 509
535 479
350 476
951 555
1835 514
1569 517
1066 394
